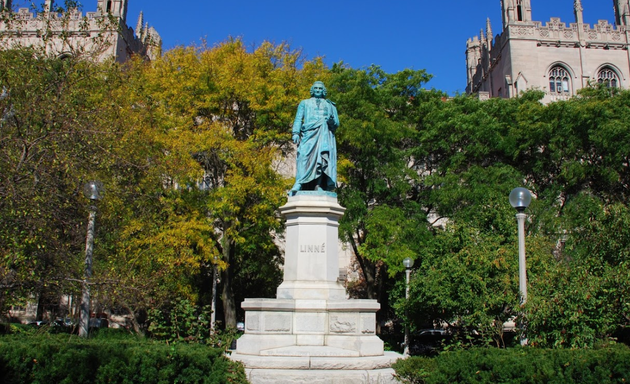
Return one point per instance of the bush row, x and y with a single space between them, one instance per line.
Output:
69 359
519 365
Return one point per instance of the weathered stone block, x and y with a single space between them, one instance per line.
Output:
277 322
310 322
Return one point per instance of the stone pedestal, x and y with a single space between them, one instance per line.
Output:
311 332
311 263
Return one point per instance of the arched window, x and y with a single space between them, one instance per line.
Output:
559 81
608 77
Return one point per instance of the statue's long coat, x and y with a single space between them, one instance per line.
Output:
317 150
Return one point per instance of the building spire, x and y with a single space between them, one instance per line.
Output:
139 31
489 31
578 10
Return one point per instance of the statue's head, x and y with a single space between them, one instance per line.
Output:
319 89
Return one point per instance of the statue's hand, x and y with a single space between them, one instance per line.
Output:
331 124
296 138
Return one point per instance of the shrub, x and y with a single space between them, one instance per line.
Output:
519 365
188 323
68 359
184 322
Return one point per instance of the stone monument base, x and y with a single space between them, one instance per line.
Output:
311 333
318 369
280 327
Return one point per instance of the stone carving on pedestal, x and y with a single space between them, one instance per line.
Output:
311 331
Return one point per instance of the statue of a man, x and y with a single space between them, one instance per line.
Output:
314 132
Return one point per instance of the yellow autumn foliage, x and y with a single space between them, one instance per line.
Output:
203 126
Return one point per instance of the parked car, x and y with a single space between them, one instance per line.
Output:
38 323
427 342
99 323
66 322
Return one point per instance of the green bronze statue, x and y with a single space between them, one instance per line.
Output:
314 132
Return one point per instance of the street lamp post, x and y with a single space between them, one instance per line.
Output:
408 263
93 190
213 307
520 199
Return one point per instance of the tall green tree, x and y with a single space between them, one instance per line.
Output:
465 277
566 154
51 141
384 222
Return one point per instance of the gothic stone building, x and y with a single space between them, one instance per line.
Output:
100 35
555 58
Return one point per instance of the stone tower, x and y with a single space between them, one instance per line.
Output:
117 8
554 58
515 11
97 35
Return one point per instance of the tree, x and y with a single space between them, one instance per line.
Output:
584 297
383 222
475 152
50 143
220 119
61 30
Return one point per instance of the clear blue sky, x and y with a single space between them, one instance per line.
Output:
394 34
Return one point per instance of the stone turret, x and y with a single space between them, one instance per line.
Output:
478 57
553 57
473 59
5 5
622 12
96 35
516 11
116 8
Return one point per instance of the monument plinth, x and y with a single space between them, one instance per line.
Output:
311 266
311 331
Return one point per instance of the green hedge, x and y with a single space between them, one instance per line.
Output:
68 359
519 365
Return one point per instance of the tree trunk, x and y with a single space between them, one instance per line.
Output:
227 294
372 280
39 312
368 270
135 324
